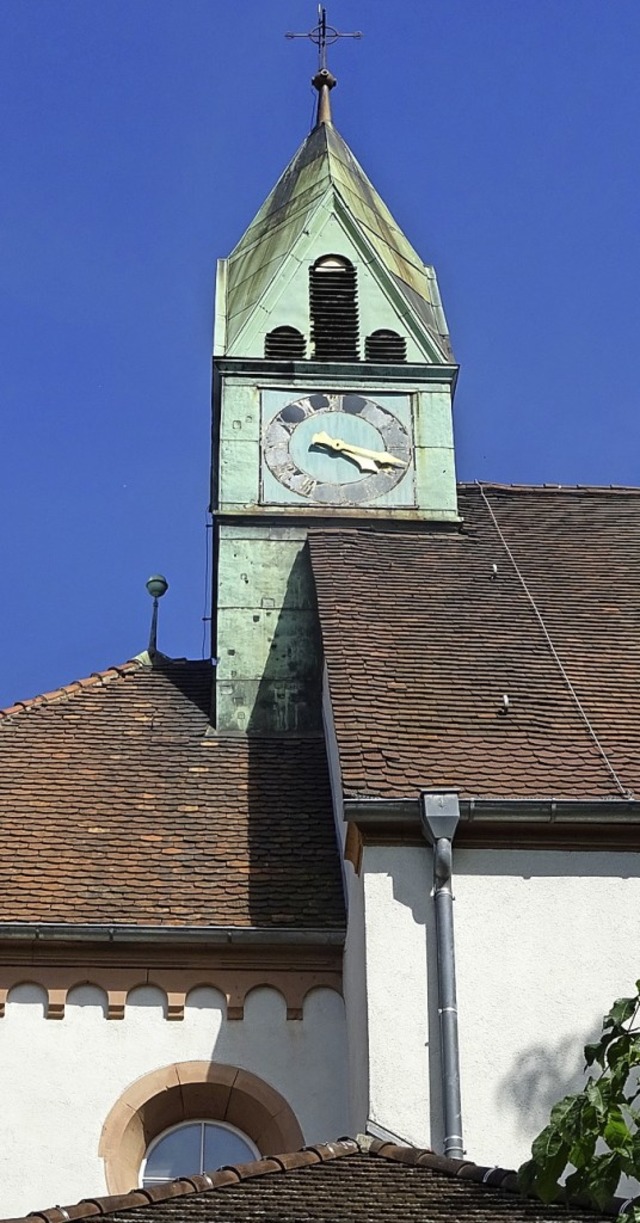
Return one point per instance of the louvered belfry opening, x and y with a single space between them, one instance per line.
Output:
333 297
385 347
285 344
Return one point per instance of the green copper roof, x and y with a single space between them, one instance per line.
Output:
325 174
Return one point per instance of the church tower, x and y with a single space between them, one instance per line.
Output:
332 404
225 931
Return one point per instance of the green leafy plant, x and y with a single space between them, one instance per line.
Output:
593 1137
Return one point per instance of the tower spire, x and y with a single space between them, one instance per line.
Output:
323 36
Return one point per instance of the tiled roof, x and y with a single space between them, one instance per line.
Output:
119 804
426 631
337 1181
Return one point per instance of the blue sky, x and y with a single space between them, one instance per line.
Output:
138 139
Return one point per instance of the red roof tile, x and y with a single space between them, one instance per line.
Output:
119 804
426 630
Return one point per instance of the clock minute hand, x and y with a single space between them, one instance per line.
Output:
367 460
363 461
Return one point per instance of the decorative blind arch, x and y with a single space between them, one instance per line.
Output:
333 306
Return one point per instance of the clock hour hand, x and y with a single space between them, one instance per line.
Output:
367 460
363 461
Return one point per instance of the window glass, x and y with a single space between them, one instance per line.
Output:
193 1148
222 1146
176 1154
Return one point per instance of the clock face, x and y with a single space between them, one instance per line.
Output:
337 449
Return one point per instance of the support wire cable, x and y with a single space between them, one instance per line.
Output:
628 794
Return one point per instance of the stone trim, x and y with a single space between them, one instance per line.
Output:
175 1093
234 984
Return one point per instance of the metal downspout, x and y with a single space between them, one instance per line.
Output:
439 817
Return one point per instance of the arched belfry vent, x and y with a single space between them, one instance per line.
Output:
385 347
333 304
285 344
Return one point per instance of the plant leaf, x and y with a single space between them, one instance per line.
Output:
527 1173
619 1050
582 1150
603 1178
594 1095
550 1147
576 1183
622 1009
594 1053
563 1113
616 1132
546 1184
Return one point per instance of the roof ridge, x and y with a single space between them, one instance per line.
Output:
65 691
230 1174
139 662
319 1153
465 1169
496 486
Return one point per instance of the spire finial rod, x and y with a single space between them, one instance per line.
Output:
324 81
324 36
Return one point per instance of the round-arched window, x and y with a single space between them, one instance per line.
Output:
193 1148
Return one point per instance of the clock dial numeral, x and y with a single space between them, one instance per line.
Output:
319 403
291 416
303 483
353 404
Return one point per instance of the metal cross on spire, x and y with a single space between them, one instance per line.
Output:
324 36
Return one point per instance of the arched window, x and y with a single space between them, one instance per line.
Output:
285 344
193 1148
385 346
333 305
192 1093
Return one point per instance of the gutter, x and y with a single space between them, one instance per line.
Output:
603 824
513 810
246 936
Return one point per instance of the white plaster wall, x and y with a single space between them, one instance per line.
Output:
545 941
354 984
396 890
61 1078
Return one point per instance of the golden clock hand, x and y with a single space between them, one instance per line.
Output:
380 457
363 461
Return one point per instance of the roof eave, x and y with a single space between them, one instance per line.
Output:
517 823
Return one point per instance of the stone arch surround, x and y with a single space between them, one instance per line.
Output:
207 1090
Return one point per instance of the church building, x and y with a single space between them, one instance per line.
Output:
373 867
